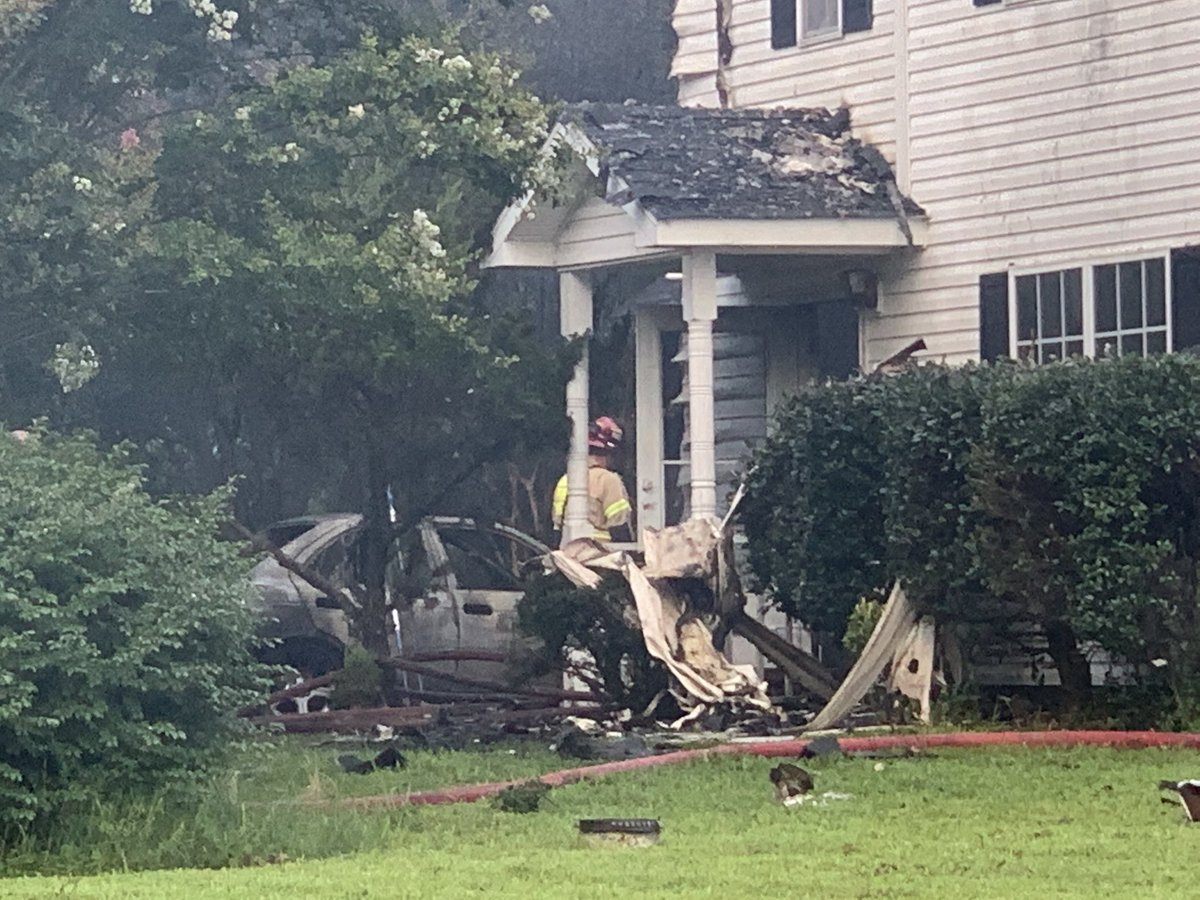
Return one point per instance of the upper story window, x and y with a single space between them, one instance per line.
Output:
1138 307
816 19
820 17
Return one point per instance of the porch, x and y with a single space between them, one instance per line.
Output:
745 245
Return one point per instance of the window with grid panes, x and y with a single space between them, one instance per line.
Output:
1131 308
1050 315
1109 309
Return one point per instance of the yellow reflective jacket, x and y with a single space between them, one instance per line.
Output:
608 503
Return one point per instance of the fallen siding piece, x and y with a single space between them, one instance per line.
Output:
672 632
886 640
914 671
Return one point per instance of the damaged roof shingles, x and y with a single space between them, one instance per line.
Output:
687 163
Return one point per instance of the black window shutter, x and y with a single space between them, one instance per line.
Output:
783 23
856 16
1185 298
993 315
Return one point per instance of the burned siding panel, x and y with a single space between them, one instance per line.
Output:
857 69
695 63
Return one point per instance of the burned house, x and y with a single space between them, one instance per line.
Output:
844 177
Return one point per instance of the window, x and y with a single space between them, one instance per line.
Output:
485 560
1115 308
811 19
1050 315
1131 308
820 17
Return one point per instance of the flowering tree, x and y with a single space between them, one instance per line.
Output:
315 251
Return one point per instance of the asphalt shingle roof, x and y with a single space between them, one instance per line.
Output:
689 163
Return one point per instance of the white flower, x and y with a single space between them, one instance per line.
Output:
1158 663
81 183
458 64
242 114
356 111
427 232
74 365
428 55
540 13
141 7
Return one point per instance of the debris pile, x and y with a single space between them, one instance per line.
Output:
688 570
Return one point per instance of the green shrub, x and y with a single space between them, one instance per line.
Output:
859 627
1089 472
124 630
814 507
359 683
1067 495
566 620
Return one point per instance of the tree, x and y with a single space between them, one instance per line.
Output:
315 250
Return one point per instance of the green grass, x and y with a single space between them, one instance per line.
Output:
1015 823
267 803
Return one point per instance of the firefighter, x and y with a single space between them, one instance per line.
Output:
609 508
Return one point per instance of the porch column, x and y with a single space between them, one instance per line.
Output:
575 317
699 311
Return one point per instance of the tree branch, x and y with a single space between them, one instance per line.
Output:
347 597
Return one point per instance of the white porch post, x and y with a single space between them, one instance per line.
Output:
649 390
575 316
699 311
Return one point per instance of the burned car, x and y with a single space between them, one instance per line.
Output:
452 584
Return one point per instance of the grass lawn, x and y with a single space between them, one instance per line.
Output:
1014 823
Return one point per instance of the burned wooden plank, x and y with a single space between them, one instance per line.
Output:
803 668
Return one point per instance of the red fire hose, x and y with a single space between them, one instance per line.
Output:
1127 740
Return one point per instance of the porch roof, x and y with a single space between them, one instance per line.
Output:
660 180
693 163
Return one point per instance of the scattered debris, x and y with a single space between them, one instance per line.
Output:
387 758
624 832
823 799
824 745
791 783
1189 796
574 743
687 570
525 797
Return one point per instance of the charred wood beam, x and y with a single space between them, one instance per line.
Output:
464 655
491 698
803 668
417 716
498 687
305 687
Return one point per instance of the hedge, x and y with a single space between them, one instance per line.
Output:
1067 495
